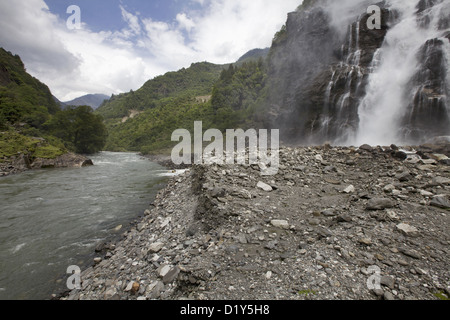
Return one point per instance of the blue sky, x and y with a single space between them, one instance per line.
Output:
123 43
106 14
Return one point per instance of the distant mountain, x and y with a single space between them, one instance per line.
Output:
254 55
92 100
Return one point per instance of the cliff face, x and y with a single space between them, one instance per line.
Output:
356 86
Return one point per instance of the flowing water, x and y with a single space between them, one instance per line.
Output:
383 107
51 219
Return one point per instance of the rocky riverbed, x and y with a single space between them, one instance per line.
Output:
334 223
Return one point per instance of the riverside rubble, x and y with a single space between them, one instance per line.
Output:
215 233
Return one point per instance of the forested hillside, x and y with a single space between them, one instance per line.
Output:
32 122
222 96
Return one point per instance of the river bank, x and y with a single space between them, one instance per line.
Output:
23 162
334 223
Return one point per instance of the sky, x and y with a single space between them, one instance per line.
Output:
120 44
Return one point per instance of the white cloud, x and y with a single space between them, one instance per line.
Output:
74 63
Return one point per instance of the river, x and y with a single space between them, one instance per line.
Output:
51 219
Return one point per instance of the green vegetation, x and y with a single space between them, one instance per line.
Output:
223 97
32 122
280 36
441 296
194 81
307 293
79 129
12 143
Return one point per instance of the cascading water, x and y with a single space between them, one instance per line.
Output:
406 101
338 114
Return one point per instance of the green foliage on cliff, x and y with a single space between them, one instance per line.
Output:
32 122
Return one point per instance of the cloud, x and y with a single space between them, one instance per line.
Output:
78 62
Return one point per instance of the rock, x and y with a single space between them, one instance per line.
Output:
268 275
389 188
388 282
440 202
135 287
164 271
365 241
441 181
156 247
132 287
378 292
97 260
282 224
403 177
264 186
410 253
118 228
425 193
156 288
379 204
388 296
408 230
366 147
439 157
345 217
349 189
400 155
172 275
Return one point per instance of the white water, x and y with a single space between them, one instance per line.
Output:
384 103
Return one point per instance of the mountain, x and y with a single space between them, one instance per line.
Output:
92 100
254 54
32 123
143 120
330 76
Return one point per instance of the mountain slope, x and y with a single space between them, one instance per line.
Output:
92 100
145 119
32 123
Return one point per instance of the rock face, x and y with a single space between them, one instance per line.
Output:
23 163
319 76
212 234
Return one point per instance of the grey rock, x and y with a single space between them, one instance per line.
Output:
410 253
264 186
408 230
388 296
172 275
380 204
440 202
441 181
388 282
156 247
282 224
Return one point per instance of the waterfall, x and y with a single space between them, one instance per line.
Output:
400 84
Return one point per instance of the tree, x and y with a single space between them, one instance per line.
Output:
81 129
